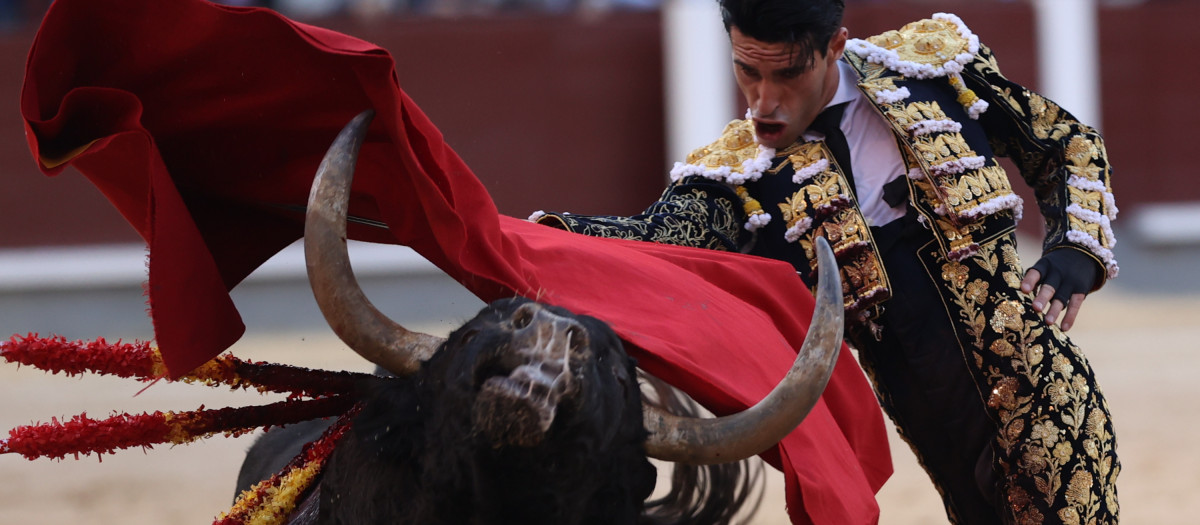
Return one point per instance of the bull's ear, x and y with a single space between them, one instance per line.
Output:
345 307
750 432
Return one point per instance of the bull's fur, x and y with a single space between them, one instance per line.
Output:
417 453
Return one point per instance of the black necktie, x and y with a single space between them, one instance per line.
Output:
829 123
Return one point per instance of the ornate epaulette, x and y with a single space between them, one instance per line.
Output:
735 158
935 47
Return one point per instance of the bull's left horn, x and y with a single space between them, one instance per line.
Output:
738 436
345 307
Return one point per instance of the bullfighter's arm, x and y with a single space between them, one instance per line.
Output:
1065 163
692 211
1062 159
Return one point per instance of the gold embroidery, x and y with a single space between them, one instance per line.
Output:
796 156
996 178
958 180
1011 270
805 154
1008 316
1092 229
1046 130
1082 153
822 199
845 231
864 281
972 187
735 146
1088 199
1087 171
985 64
931 42
873 82
679 227
960 240
793 148
955 273
1047 118
942 147
793 209
867 284
914 112
823 190
825 193
1055 445
870 72
1005 94
952 183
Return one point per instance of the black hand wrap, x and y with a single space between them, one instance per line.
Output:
1069 272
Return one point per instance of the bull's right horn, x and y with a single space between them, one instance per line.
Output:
738 436
345 307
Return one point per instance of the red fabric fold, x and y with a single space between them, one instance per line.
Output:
204 125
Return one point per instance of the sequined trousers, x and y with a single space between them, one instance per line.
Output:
1001 409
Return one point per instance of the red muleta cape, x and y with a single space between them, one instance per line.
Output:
202 122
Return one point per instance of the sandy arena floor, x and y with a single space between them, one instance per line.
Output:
1143 349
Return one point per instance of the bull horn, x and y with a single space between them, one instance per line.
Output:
738 436
345 307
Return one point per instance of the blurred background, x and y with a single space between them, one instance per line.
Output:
582 105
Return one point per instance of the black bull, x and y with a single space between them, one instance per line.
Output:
528 413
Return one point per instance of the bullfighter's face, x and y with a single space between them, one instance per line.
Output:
783 89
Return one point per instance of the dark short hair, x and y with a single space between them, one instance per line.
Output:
806 24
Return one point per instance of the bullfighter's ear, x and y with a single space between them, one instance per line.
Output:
346 308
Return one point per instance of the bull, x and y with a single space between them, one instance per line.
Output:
527 413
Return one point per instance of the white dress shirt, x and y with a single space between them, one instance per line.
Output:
874 156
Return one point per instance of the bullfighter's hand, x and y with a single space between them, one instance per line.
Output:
1062 279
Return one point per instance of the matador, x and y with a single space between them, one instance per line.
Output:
1001 409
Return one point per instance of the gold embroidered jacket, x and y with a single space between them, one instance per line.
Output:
952 113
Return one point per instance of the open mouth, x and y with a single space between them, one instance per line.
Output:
768 130
517 409
524 372
518 399
534 381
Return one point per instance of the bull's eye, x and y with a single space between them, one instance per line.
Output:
521 318
467 336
